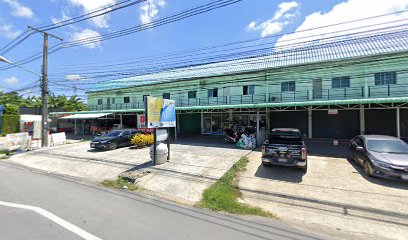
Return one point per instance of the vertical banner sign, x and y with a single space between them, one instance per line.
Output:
141 121
160 113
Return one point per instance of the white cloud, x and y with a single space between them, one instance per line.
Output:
19 10
90 5
87 33
73 77
281 18
11 80
343 12
64 17
150 9
8 31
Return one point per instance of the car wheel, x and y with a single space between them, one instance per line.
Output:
265 164
112 146
368 170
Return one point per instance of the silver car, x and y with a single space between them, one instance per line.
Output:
381 156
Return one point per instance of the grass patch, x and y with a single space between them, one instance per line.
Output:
223 195
2 153
119 183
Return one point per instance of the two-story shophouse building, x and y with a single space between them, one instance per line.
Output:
327 90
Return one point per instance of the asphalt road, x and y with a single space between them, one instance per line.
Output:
37 205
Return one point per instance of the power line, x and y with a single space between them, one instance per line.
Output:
217 59
176 17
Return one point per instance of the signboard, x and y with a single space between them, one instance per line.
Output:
141 121
333 111
37 130
17 141
58 138
161 135
160 113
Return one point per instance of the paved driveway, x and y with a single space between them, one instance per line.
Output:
191 169
333 193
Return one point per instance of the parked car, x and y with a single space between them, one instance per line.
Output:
381 156
285 146
113 139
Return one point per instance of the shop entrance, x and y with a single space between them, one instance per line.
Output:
216 123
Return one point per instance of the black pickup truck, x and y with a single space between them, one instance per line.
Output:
285 146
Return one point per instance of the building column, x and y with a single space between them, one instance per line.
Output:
177 126
268 120
362 119
202 122
75 127
230 118
258 132
121 120
398 122
309 122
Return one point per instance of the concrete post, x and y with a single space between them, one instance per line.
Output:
177 126
202 122
268 120
362 119
258 132
398 123
309 122
75 127
121 120
230 118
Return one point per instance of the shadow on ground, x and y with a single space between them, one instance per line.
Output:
280 173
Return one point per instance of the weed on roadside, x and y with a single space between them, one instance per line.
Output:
119 183
223 195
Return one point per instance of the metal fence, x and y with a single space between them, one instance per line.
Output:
383 91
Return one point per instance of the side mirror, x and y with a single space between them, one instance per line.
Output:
359 148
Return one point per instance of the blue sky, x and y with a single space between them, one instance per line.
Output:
244 20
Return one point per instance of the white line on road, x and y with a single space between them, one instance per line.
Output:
67 225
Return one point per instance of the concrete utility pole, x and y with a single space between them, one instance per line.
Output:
44 87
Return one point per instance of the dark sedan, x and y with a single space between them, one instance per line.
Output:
381 156
113 139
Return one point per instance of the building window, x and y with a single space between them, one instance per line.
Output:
288 86
385 78
248 90
192 94
126 100
213 92
100 101
113 100
166 95
341 82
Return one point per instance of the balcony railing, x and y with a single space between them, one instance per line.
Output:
383 91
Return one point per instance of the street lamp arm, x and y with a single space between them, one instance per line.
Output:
2 59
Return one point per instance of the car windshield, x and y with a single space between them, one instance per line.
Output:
285 135
387 146
113 134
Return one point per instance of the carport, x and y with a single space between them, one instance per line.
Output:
83 117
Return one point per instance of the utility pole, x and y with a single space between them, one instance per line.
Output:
44 87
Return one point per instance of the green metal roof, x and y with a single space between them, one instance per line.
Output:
379 44
261 105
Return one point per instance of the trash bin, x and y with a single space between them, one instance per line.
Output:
161 153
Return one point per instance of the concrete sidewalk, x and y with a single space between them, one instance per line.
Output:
333 193
192 168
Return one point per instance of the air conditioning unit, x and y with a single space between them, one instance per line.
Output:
275 99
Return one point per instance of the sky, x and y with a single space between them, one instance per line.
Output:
247 19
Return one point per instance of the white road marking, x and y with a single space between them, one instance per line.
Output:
67 225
